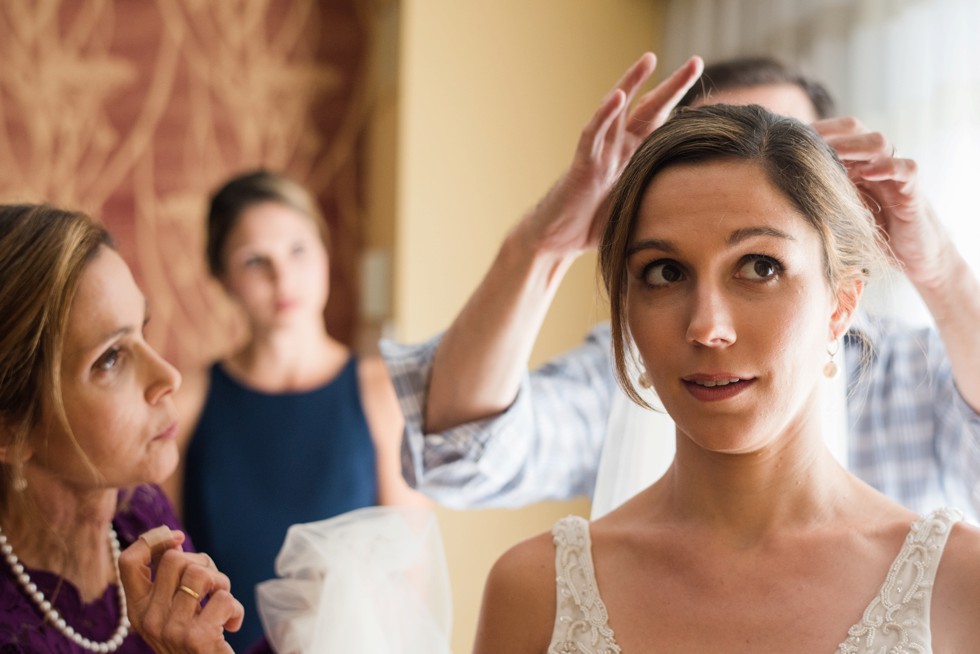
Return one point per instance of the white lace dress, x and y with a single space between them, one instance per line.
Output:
896 620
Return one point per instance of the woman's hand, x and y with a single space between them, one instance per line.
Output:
177 601
569 219
890 188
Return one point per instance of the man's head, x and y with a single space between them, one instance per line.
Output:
763 81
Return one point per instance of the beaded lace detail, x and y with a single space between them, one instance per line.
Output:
581 619
897 620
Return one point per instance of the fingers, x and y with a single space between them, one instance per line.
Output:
852 141
651 110
188 603
222 608
655 106
636 75
612 106
138 561
868 146
869 156
598 126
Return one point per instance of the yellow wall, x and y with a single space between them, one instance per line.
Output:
492 96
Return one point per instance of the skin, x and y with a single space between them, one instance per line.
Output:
170 619
118 399
785 99
276 268
479 363
488 358
753 494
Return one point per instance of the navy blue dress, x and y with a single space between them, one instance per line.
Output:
259 462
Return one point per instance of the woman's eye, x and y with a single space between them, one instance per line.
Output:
662 273
760 268
108 361
299 249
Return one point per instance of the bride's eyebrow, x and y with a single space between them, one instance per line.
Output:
651 244
744 233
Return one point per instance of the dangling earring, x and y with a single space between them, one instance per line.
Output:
830 368
19 482
644 379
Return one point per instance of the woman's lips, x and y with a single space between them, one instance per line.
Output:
168 434
713 388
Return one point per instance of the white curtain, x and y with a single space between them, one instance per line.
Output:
907 68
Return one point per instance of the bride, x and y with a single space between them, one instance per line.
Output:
735 257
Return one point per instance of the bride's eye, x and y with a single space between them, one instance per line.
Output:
758 267
662 273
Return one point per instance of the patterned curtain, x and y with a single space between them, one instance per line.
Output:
135 110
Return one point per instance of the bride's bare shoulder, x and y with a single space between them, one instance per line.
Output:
518 610
956 593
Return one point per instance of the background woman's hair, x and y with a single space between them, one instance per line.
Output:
795 160
43 252
749 72
243 191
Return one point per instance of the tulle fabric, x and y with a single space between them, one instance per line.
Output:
640 443
371 580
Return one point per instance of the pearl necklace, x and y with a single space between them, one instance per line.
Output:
51 614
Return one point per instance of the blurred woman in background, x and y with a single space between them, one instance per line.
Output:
292 427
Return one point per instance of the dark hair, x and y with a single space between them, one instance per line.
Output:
248 189
795 160
43 253
748 72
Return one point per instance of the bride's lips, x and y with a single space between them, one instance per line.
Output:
712 387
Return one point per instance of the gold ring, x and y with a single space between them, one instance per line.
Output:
190 591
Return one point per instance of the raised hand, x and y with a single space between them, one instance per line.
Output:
569 218
178 601
891 189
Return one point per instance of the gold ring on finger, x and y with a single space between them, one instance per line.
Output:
190 591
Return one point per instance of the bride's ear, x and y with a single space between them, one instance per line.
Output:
848 297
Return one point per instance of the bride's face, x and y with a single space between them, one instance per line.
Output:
728 304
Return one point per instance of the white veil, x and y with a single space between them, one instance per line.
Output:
371 580
640 443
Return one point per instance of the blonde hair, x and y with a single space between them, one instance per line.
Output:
794 158
43 252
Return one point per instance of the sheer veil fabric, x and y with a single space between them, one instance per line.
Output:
371 580
640 443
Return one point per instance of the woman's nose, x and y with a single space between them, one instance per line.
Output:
711 322
164 378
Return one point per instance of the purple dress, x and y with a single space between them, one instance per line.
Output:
22 626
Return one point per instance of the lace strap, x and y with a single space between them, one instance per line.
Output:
581 621
899 615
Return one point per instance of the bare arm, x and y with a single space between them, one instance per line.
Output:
385 421
478 365
924 250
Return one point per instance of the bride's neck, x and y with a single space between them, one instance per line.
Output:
794 481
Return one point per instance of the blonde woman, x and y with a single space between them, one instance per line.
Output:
88 426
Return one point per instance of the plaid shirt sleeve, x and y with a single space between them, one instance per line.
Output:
544 446
913 436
